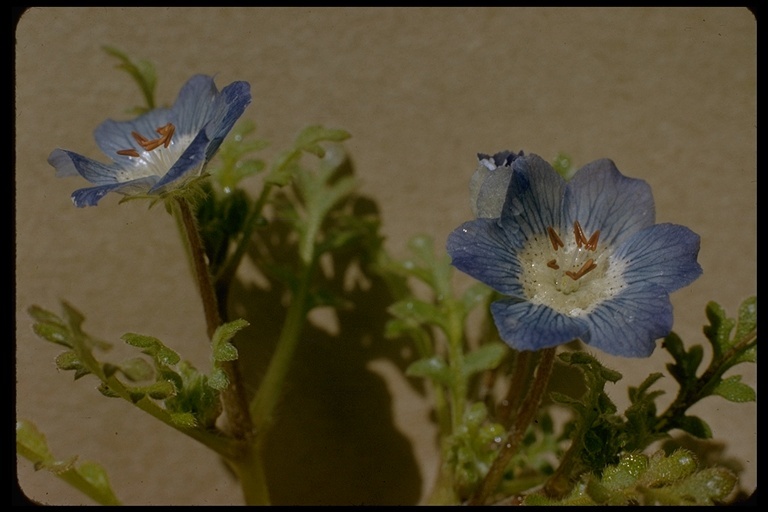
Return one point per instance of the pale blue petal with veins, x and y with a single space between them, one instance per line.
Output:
160 150
574 259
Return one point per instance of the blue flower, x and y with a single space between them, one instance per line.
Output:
160 150
578 259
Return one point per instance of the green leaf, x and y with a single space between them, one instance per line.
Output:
195 397
475 295
143 73
43 316
747 320
222 349
719 330
89 477
564 166
487 357
734 390
69 361
656 480
695 426
417 311
107 391
183 419
433 368
308 141
137 369
218 379
153 347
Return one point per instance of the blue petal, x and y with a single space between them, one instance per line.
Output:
534 197
195 104
92 195
601 198
664 254
227 109
481 249
69 163
189 164
629 324
113 136
527 326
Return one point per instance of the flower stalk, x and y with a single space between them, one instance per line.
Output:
511 444
233 398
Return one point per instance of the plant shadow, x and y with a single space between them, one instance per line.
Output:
334 440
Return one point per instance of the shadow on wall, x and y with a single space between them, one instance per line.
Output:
334 440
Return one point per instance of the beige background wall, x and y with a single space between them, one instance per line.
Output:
668 94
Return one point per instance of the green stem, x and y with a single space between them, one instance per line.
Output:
72 477
224 446
227 271
689 395
253 479
263 405
525 416
455 334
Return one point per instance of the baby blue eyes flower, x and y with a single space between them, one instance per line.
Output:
577 259
160 150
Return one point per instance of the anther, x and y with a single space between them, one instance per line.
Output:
592 243
141 140
166 133
553 264
554 238
587 267
581 239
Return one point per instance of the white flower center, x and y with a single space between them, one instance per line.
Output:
571 275
157 155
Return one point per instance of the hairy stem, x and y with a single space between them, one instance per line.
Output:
511 445
233 398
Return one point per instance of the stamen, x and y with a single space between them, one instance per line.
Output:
141 140
553 264
588 266
166 133
556 241
581 239
153 144
592 243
